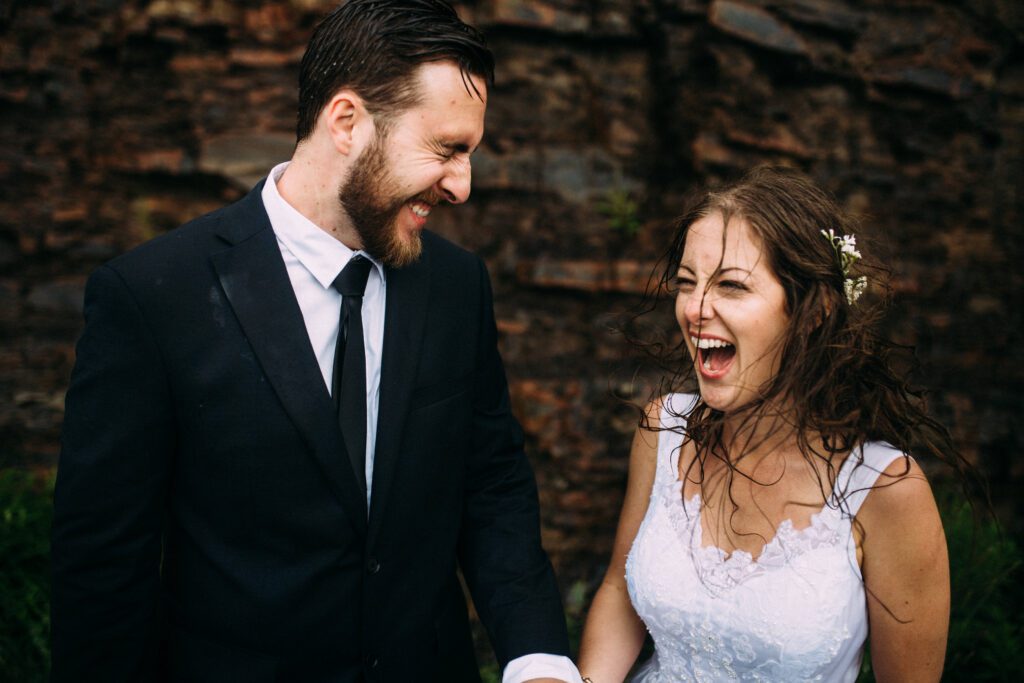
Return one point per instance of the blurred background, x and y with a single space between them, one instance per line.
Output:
119 120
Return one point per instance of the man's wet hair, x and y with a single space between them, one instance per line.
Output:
375 47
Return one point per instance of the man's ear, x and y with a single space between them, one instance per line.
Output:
340 118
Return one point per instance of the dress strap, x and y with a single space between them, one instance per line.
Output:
859 474
672 421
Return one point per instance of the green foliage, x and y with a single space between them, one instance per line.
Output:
489 673
25 512
986 620
621 211
576 605
987 617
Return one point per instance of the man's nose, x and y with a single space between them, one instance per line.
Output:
455 185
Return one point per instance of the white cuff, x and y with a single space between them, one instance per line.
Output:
524 668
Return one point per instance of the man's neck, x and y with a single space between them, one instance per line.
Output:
314 193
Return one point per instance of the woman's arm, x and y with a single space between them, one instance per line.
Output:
906 573
614 634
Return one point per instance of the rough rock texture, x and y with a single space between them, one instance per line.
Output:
120 120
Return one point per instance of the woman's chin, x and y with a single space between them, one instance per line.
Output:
723 399
714 399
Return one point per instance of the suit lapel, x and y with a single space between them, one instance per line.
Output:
255 281
404 319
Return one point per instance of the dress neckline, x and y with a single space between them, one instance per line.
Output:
721 569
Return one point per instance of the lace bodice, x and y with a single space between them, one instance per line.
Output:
796 613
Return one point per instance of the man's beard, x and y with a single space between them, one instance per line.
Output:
374 214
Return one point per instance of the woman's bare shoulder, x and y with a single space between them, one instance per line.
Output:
901 489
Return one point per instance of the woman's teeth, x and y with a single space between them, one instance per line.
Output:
709 343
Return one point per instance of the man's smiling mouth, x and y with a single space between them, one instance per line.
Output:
421 209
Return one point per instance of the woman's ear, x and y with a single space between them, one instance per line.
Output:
824 303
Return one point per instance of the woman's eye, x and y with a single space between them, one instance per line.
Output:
732 285
684 283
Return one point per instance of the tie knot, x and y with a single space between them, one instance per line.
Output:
352 279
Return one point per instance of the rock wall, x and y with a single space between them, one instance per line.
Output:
121 119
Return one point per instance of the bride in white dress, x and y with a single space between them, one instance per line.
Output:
772 522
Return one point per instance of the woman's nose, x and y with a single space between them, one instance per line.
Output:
697 307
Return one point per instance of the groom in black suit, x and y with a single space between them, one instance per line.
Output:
288 423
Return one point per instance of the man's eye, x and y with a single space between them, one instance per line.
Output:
449 153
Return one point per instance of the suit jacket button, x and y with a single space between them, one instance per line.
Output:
372 566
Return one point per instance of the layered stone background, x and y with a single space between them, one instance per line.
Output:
120 120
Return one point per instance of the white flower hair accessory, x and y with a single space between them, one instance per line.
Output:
845 247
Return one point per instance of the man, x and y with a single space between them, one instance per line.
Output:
270 471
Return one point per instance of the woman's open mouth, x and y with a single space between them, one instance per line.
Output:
714 356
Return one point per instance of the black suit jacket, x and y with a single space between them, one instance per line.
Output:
207 525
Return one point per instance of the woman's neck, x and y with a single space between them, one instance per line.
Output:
751 436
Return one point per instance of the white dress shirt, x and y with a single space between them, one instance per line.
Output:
313 259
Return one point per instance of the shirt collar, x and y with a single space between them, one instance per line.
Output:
318 252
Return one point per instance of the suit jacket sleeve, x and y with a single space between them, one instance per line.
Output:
507 570
110 495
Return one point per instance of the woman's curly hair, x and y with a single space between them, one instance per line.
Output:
838 378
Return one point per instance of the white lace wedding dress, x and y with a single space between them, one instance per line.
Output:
797 613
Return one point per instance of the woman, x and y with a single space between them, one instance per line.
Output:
770 518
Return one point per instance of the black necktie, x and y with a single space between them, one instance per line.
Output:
348 384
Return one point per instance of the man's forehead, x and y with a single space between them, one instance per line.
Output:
446 79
